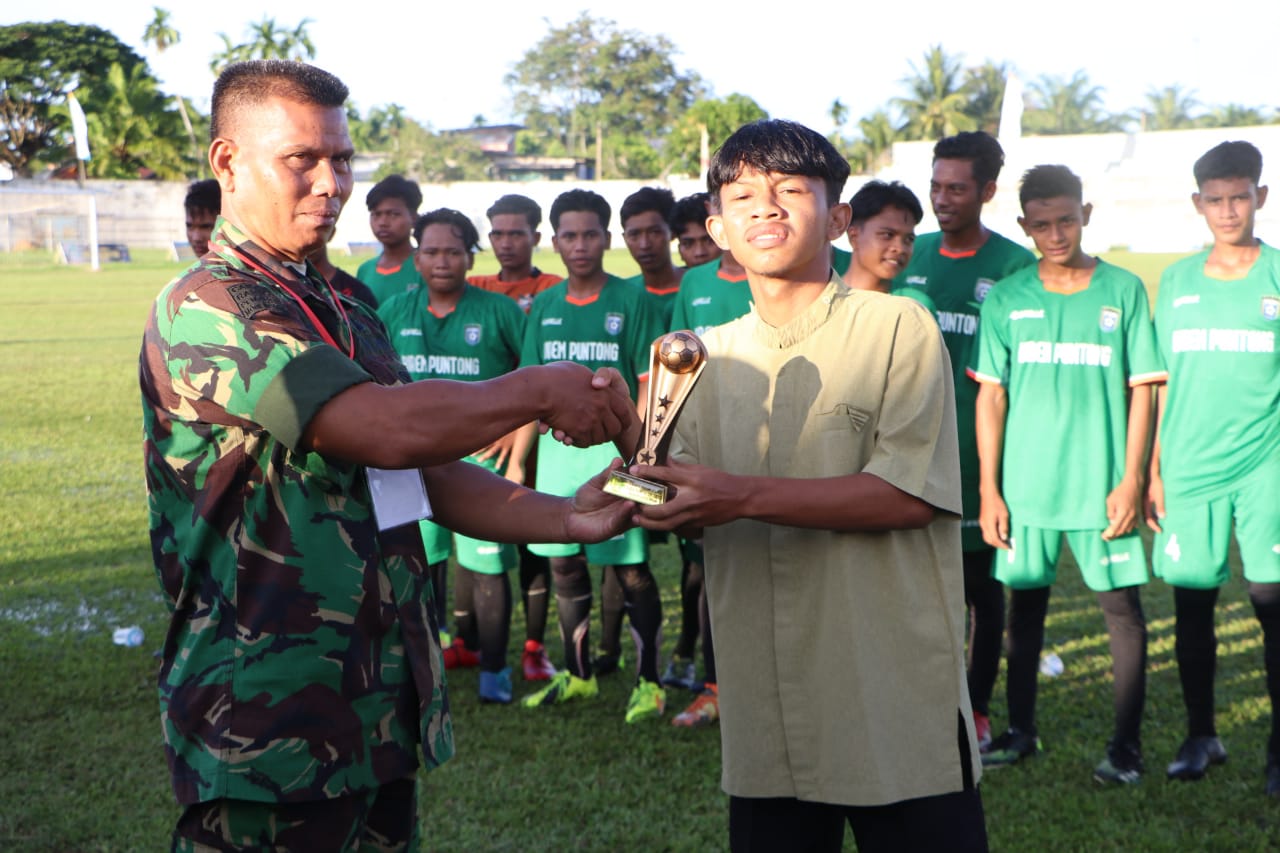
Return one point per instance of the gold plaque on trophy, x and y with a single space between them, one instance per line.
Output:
678 360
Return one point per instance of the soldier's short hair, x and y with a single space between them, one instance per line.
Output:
203 195
244 84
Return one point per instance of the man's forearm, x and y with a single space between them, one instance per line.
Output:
470 500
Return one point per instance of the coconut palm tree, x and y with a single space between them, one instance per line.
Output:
1062 106
1170 108
935 105
160 34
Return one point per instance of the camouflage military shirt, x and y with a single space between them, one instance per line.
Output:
301 660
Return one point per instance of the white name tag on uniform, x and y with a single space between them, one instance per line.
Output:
399 496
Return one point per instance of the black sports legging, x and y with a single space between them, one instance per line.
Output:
984 596
1196 647
1127 631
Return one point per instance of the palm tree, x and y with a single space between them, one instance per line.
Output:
936 104
266 41
985 88
1236 115
1169 108
877 134
131 130
159 33
1063 106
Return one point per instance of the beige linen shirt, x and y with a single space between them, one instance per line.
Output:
840 655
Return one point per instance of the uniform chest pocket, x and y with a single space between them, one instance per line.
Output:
843 417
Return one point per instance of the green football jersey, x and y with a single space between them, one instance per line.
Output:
615 328
1067 362
840 260
479 339
665 300
958 285
707 299
389 283
1218 339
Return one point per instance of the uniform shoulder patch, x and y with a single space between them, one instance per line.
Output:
252 298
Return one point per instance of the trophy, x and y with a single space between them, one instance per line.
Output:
678 360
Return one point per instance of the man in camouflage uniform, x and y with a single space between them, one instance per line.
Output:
301 670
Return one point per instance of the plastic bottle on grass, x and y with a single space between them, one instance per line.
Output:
130 637
1051 665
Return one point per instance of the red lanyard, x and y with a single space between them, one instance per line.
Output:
315 321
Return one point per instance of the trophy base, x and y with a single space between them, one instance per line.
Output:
635 489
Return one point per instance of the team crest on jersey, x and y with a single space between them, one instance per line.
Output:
983 287
1270 307
1109 321
613 324
471 333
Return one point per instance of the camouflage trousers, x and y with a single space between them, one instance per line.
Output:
384 820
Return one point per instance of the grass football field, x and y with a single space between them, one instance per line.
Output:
79 732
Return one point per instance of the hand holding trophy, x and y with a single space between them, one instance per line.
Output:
678 360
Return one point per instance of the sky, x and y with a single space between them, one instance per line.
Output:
445 64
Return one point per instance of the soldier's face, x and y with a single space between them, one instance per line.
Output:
285 170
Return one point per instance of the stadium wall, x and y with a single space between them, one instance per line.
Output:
1140 185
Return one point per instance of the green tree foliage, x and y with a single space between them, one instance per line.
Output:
1169 108
589 81
984 86
937 102
160 32
266 40
1238 115
1061 105
133 131
39 64
873 145
720 116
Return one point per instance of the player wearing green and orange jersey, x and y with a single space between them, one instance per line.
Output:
956 266
1217 455
1066 359
450 330
648 237
513 235
598 320
393 206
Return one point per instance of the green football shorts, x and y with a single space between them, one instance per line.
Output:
1191 549
562 471
1032 559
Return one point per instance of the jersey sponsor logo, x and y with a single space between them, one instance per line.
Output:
957 323
1109 320
982 288
1223 340
441 365
701 301
552 321
1064 353
1027 314
581 351
613 323
1115 558
1270 307
1172 549
1193 299
918 280
472 333
410 333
